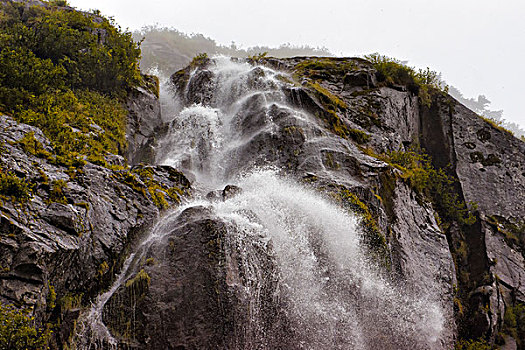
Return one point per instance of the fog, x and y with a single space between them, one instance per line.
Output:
478 46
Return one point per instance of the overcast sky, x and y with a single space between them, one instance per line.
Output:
478 46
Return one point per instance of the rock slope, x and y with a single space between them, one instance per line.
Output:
65 245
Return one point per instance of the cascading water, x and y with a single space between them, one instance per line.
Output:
286 245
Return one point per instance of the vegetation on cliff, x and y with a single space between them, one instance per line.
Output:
422 82
17 330
432 184
66 72
169 50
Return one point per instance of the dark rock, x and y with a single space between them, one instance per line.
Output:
214 195
196 294
75 246
144 126
230 191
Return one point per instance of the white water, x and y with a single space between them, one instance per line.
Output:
335 296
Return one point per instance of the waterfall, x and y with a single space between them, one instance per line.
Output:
286 245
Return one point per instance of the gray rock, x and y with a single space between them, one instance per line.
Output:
76 245
144 126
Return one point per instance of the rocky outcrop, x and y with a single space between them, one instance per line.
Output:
144 123
331 131
477 269
64 245
188 301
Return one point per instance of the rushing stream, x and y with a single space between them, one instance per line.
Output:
332 294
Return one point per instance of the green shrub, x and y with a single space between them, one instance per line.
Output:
358 136
434 184
51 298
88 48
514 323
66 73
57 192
423 82
323 67
32 146
431 183
199 60
140 281
328 99
472 345
14 188
18 331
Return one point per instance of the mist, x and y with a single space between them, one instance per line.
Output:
474 44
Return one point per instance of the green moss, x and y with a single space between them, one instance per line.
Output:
323 67
58 3
514 323
472 345
70 301
18 330
14 188
284 79
376 238
458 307
151 84
257 58
329 161
32 146
336 125
498 124
358 136
57 192
373 238
102 269
430 183
199 60
139 282
142 181
51 297
129 179
158 197
83 205
328 99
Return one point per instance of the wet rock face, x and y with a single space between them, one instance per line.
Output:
196 293
188 290
486 162
70 244
490 165
303 146
144 126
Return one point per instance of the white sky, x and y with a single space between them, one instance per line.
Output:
478 46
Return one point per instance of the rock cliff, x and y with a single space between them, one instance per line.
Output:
65 244
438 193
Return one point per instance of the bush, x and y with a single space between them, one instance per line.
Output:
66 72
472 345
390 71
85 49
514 323
431 183
11 186
18 331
